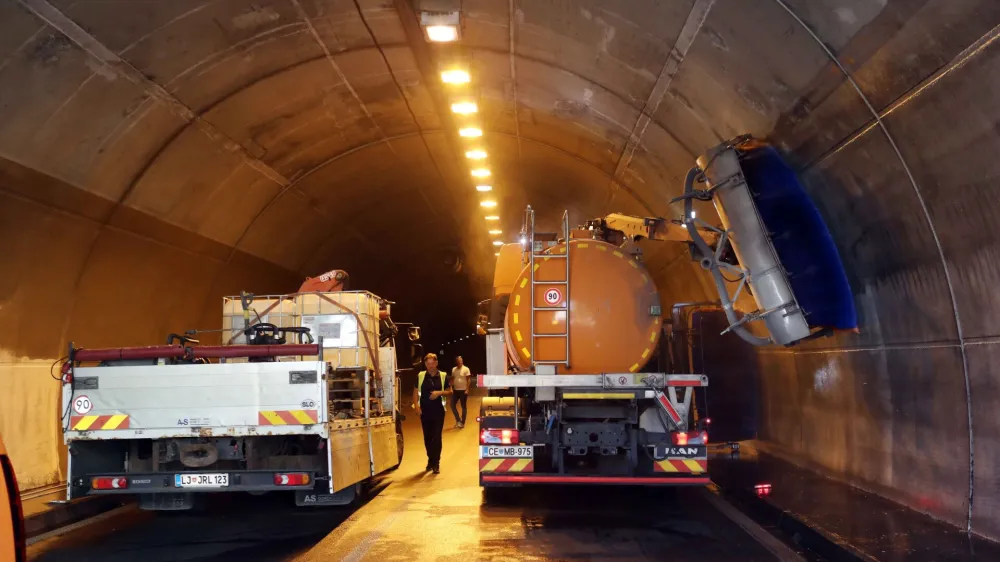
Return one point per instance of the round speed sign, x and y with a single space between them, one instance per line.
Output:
553 297
82 405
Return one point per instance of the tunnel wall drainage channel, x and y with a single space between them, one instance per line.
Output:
794 531
62 516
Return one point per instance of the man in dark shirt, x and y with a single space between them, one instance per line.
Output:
428 400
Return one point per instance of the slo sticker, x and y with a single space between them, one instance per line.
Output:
82 405
553 297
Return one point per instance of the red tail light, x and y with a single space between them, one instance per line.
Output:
292 479
762 489
109 483
499 437
682 438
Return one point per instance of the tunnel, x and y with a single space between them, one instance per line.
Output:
158 156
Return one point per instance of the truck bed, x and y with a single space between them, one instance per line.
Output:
225 399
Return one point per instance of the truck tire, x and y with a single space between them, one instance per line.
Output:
399 441
496 495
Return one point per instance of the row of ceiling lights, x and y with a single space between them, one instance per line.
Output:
444 28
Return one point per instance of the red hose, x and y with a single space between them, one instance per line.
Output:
209 351
214 351
126 353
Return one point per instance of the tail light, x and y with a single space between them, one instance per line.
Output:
292 479
109 483
682 438
762 489
499 437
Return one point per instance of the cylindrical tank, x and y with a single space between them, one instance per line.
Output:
614 320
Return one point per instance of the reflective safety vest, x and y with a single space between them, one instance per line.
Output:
420 383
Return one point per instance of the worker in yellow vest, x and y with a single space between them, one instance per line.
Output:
429 397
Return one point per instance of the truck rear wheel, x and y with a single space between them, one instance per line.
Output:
399 441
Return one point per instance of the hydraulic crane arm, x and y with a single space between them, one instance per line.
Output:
639 228
772 240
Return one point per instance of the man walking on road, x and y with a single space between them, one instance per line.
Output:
460 386
428 400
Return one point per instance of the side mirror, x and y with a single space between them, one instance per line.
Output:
413 333
416 354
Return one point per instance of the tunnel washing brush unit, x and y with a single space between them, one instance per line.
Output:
784 250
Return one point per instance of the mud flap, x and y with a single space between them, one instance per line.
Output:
313 498
180 501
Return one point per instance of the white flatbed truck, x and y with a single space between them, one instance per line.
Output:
168 424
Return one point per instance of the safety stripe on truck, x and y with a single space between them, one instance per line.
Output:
661 397
287 417
506 465
94 423
695 466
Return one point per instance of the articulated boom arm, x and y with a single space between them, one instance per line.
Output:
639 228
771 241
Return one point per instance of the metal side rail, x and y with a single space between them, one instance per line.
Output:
539 478
609 381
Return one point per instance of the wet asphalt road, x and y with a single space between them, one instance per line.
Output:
412 515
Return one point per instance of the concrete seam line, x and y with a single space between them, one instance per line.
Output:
83 523
955 63
512 9
689 32
780 550
63 24
934 235
340 74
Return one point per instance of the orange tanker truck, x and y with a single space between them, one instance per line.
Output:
579 392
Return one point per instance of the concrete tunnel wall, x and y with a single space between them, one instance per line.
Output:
154 160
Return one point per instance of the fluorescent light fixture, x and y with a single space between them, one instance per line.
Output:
475 154
464 107
496 231
498 242
492 218
470 132
440 27
455 76
481 173
497 254
442 33
488 204
484 188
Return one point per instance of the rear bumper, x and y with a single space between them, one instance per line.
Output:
163 483
509 479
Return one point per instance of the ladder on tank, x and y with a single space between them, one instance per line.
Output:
553 292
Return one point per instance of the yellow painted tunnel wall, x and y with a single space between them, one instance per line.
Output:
74 267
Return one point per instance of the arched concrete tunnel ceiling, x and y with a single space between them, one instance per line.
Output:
155 156
309 132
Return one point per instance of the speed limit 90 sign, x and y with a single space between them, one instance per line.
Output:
553 297
82 405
